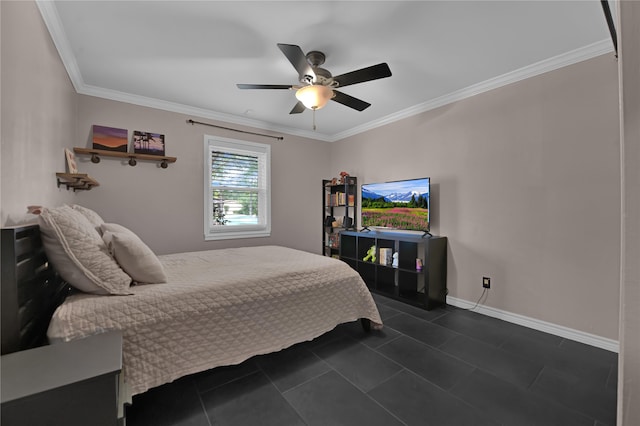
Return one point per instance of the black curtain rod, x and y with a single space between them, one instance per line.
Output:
235 130
612 28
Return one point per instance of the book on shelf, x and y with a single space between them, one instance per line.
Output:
331 200
339 199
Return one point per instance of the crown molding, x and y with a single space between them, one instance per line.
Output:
541 67
52 21
56 30
129 98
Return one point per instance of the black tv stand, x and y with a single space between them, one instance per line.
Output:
425 233
365 229
426 287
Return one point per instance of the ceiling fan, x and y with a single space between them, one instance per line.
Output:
317 85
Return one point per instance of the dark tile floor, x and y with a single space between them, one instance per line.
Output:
442 367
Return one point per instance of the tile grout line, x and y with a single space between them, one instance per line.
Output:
227 382
206 414
299 384
331 368
366 394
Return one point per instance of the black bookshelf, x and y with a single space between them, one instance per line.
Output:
339 204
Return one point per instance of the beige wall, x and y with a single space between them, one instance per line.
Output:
525 184
165 206
38 112
629 360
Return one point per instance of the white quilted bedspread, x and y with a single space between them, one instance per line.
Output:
219 307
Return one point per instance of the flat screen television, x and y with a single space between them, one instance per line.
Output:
398 205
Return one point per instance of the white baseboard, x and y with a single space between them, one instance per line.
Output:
536 324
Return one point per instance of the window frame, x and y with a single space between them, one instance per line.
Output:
263 152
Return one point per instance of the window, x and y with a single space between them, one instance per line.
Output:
237 197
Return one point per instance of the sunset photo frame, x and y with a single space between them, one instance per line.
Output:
110 138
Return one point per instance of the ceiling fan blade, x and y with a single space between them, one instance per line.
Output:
373 72
296 56
264 86
350 101
298 108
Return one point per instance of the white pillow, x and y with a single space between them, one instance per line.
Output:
94 218
77 252
115 227
133 255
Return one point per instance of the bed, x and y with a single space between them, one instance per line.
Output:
216 308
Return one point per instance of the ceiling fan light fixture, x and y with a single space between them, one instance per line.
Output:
314 96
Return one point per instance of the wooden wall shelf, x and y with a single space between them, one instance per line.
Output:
133 157
77 181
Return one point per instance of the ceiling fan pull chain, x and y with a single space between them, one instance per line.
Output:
314 119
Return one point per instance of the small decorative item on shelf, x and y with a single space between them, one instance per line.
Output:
148 143
347 222
334 241
394 263
418 264
371 255
110 138
328 221
343 176
71 161
73 179
386 256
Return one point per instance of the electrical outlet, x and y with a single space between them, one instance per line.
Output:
486 282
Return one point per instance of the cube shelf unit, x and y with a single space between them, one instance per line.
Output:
341 202
426 288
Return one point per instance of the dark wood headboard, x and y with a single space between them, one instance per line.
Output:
31 290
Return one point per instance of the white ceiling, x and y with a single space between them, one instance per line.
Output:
188 56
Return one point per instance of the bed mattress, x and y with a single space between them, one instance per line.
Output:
219 307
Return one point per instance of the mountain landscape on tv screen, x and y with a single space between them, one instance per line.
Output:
395 197
389 208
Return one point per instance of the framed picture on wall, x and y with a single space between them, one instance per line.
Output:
148 143
71 161
110 138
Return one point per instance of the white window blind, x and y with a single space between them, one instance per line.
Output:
237 193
